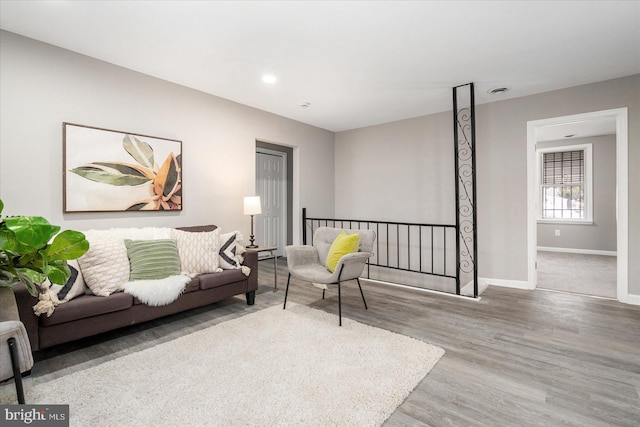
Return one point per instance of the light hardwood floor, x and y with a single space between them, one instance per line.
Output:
514 358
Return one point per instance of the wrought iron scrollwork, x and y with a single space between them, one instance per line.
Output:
465 168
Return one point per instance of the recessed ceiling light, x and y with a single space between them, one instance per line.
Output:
305 104
269 78
498 90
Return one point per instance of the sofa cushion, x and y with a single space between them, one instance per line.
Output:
192 286
105 266
74 287
152 259
213 280
197 228
198 251
231 250
87 306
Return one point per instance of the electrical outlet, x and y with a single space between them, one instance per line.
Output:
557 232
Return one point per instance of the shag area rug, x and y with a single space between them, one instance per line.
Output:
274 367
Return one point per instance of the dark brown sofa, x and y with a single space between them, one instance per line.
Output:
89 315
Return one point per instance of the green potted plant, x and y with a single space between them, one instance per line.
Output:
28 254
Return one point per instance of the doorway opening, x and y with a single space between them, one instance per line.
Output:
274 185
564 243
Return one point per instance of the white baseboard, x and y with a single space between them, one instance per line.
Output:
517 284
418 289
468 288
631 299
577 251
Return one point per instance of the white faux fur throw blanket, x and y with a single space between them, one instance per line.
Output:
158 292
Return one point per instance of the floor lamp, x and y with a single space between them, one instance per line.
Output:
252 207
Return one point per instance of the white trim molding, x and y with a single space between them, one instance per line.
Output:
418 289
622 194
632 299
516 284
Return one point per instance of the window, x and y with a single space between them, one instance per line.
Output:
565 184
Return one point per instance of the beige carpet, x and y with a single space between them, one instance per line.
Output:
274 367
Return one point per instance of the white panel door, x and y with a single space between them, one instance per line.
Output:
271 187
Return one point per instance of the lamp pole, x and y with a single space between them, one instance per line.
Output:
252 237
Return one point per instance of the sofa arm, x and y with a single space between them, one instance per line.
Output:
25 302
251 261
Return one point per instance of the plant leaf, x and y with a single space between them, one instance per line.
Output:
139 150
67 245
168 178
112 174
58 272
32 275
1 206
145 205
29 277
127 169
33 231
8 240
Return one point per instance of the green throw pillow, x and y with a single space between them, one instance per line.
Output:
152 259
342 245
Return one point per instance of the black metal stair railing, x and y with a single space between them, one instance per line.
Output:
412 247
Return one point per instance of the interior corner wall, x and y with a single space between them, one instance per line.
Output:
601 234
42 86
403 171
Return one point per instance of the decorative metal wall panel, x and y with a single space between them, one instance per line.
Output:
465 168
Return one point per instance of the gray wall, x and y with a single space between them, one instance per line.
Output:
601 235
42 86
403 170
400 170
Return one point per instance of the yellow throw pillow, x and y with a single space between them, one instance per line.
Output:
342 245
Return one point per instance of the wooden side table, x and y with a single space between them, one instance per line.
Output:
269 249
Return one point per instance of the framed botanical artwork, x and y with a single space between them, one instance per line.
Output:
107 170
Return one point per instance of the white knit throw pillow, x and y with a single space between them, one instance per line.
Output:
105 266
198 251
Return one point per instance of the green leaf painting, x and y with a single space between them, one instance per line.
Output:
139 150
164 181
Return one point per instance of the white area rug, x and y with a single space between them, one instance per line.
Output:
274 367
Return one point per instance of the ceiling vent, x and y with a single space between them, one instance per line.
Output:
498 90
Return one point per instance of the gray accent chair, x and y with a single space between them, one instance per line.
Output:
307 263
15 348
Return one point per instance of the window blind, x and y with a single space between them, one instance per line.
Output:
563 167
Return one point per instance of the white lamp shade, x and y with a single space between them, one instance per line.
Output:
252 205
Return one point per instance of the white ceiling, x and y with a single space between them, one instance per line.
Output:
357 63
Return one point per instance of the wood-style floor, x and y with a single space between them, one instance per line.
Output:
513 358
578 273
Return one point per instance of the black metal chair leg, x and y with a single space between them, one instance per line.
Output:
286 292
361 293
339 304
15 364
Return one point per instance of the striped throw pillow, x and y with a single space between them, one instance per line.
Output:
152 259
